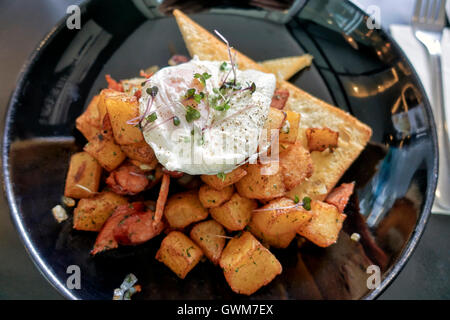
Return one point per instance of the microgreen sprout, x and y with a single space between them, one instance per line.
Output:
202 77
233 66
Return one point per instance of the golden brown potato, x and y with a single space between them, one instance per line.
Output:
274 121
286 217
140 151
325 225
211 198
279 241
256 185
289 129
296 165
179 253
230 178
235 213
184 208
122 108
320 139
248 265
145 166
105 95
90 214
107 153
88 123
210 237
83 177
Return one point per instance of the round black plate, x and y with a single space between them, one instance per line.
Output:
358 69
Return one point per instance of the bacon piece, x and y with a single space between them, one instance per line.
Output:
339 196
162 198
144 74
177 59
105 239
128 179
279 99
137 228
138 94
113 84
173 174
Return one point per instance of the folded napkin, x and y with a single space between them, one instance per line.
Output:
418 56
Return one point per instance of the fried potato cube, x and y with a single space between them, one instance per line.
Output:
83 177
248 265
107 153
320 139
274 122
211 198
286 217
229 179
88 123
278 241
184 208
179 253
140 151
325 225
210 237
122 108
104 95
91 213
289 129
263 181
234 214
296 165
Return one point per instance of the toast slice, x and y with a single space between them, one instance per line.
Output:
285 68
328 166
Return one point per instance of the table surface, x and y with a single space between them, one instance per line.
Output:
24 23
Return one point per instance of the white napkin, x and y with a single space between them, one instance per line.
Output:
418 56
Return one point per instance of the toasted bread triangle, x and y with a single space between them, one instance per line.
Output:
284 68
328 166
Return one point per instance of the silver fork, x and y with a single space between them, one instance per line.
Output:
428 24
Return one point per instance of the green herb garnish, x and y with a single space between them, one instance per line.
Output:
296 199
307 203
202 77
224 66
221 176
176 121
153 91
189 93
152 117
199 97
192 114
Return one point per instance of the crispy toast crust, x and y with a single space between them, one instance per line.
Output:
328 166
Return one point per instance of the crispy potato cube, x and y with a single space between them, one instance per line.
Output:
90 214
211 198
289 129
103 96
140 151
179 253
107 153
83 177
88 123
229 179
325 225
234 214
184 208
286 217
209 236
296 165
248 265
257 185
274 122
122 108
320 139
278 241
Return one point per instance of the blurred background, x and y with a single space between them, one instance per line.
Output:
24 23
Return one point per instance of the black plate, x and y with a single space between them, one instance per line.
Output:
360 70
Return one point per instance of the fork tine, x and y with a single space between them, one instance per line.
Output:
431 17
441 14
417 10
